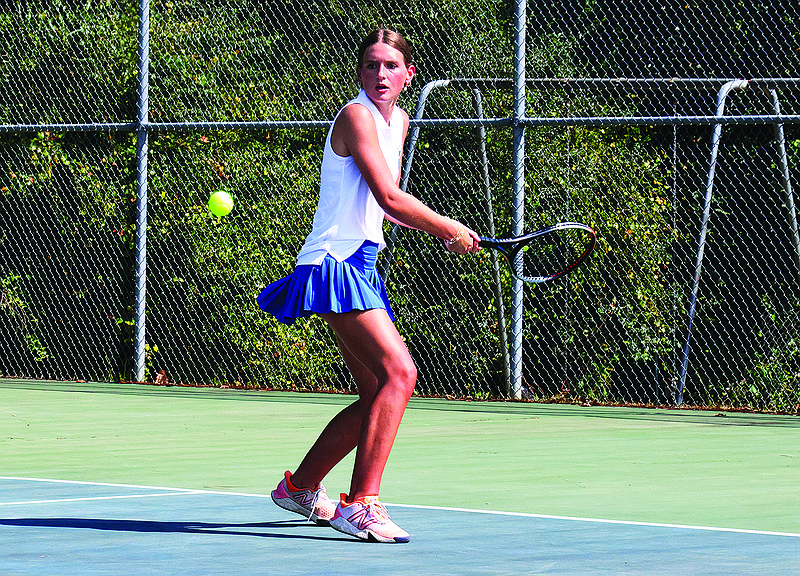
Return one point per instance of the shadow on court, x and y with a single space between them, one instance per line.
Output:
256 529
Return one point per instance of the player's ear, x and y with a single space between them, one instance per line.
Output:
410 71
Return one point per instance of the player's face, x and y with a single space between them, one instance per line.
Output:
384 73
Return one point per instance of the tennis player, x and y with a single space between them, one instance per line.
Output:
336 277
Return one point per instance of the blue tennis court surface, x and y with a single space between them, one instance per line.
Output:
62 528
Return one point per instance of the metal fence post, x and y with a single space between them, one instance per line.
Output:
142 145
519 192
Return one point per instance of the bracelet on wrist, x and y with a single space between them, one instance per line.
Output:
457 237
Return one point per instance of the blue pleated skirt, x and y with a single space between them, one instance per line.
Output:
353 284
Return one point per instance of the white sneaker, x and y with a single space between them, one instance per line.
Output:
367 519
313 504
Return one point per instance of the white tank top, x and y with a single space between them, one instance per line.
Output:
347 212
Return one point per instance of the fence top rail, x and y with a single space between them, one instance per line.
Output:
648 84
155 127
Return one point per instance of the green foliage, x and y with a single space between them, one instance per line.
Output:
67 63
615 180
214 267
65 246
773 380
20 323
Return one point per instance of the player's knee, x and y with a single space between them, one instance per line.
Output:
405 378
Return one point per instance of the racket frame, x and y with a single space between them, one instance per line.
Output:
510 247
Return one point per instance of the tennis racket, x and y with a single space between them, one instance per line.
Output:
546 254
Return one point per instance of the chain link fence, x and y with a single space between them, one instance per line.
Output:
692 296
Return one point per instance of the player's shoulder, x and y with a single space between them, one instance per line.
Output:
356 108
355 113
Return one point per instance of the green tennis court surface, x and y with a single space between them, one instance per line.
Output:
116 479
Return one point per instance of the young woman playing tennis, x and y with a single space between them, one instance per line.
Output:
336 277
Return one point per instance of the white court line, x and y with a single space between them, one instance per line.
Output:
138 486
185 491
92 498
85 483
604 521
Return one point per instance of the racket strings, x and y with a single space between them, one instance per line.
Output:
552 255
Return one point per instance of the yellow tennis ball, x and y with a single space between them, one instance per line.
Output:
220 204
